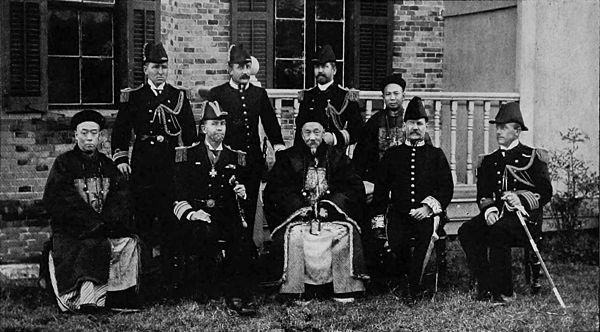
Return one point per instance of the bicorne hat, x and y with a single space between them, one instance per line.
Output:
510 112
155 53
88 115
239 55
324 54
394 78
212 111
415 110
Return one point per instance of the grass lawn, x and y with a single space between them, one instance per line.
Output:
26 309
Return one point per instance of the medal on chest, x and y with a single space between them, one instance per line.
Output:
213 172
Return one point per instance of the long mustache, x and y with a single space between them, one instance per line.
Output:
245 77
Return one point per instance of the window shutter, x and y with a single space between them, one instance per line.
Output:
24 62
373 39
144 24
252 26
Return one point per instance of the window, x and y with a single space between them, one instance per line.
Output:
288 32
81 62
68 54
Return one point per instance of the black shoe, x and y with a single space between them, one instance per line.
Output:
92 309
241 307
535 288
498 300
482 296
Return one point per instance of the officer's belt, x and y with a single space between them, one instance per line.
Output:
206 203
157 138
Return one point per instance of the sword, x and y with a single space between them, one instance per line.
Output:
521 213
233 182
434 237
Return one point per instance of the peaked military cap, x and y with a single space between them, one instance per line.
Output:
394 78
415 110
324 55
212 111
155 53
239 55
88 115
510 112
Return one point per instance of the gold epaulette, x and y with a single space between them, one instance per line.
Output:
542 154
125 93
353 94
240 154
300 95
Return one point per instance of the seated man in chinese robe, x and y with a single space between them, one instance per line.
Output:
94 258
313 200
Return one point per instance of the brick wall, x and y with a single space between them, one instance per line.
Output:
418 43
197 36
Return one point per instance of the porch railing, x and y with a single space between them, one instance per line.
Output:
459 121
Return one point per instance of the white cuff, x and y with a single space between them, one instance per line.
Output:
490 210
433 203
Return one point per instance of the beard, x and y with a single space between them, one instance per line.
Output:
216 137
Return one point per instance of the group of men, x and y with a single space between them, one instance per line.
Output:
181 204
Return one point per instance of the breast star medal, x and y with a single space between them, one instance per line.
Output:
213 172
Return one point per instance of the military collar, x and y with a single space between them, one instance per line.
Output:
154 87
511 146
237 86
209 147
323 87
419 143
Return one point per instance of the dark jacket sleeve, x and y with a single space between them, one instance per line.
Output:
269 120
383 181
189 133
282 195
121 133
542 187
353 124
70 213
365 153
118 208
485 185
181 189
444 189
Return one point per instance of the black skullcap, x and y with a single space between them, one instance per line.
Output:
88 115
394 78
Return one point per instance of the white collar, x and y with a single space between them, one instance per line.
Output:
419 143
325 86
209 147
154 87
511 146
236 85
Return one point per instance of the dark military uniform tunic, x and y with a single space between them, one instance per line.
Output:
415 175
160 124
202 183
523 170
336 107
246 107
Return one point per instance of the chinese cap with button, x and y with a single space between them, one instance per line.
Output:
87 115
155 53
394 78
510 112
239 55
324 55
211 110
415 110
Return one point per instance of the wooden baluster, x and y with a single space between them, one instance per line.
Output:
453 110
436 122
369 108
470 111
487 105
